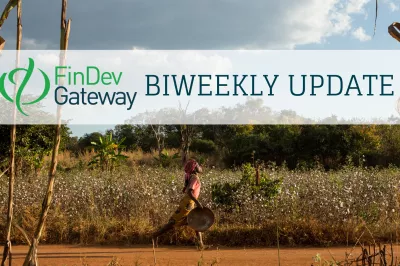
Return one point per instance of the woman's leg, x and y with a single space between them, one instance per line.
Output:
163 229
179 218
201 244
200 239
160 232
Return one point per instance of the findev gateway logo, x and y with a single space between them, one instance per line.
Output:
28 74
92 77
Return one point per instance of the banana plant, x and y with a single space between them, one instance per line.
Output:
108 152
165 160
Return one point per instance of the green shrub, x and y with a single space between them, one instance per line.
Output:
165 160
203 146
224 194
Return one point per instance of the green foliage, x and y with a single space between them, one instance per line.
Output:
33 143
36 158
71 144
128 133
328 145
248 174
146 140
203 146
224 194
86 141
201 159
108 153
165 160
305 146
267 188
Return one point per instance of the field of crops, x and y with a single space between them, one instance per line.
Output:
312 207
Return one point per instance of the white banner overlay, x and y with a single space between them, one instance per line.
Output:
201 87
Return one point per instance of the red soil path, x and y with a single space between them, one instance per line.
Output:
55 255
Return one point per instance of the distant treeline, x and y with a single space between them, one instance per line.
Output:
293 145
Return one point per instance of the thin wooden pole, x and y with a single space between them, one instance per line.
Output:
31 258
13 136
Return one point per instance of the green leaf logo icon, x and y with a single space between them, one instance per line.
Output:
28 73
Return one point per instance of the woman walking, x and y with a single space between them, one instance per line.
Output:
187 203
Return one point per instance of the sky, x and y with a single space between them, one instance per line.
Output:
206 25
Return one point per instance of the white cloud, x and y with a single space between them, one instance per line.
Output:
316 20
356 6
32 44
27 44
393 7
135 48
361 35
207 24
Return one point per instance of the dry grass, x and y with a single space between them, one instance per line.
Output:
123 207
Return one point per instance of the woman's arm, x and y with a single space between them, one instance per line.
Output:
199 169
192 197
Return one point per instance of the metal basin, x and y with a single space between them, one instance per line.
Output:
201 219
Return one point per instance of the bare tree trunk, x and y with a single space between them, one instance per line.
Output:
13 134
31 258
186 139
159 138
186 134
184 146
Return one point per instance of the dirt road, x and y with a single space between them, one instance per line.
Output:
178 256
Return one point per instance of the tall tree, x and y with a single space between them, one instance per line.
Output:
127 132
159 134
187 133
